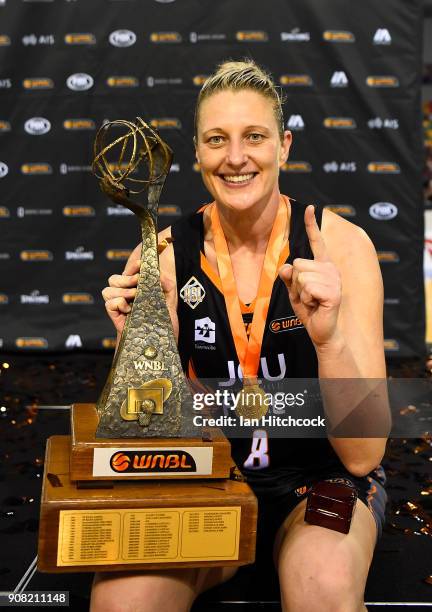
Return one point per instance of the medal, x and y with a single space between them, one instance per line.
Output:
251 402
251 398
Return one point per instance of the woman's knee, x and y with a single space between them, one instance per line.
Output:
144 591
310 581
173 590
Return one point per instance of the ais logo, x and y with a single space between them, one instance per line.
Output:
158 461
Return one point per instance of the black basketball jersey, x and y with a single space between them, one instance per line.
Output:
207 348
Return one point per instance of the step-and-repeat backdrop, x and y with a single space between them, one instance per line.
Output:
351 73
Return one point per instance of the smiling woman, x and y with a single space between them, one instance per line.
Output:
240 159
230 272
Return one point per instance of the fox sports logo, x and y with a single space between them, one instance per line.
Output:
122 38
80 81
37 126
383 211
3 169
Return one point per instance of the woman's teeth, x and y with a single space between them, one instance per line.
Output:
238 178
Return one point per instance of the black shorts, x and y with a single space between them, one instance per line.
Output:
275 503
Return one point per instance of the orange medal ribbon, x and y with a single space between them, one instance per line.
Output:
248 352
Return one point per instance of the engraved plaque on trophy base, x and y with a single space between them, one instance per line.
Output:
207 456
141 525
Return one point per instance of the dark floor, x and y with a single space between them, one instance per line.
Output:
402 566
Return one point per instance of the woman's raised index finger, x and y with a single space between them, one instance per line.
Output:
316 240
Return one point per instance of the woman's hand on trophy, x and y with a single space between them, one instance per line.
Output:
121 291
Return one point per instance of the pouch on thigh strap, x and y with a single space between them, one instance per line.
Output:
331 505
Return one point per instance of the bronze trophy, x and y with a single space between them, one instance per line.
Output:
134 402
133 486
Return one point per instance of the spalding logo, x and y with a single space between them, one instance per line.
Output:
383 211
122 38
3 169
80 81
37 126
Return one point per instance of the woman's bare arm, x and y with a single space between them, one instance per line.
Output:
357 353
338 295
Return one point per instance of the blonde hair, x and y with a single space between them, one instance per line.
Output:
235 76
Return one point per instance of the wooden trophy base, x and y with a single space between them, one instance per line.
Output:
143 458
136 525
